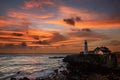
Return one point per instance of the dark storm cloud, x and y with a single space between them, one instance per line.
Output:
72 21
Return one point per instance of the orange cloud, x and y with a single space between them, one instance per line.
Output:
22 20
13 37
66 12
57 37
89 19
33 35
37 4
43 35
71 41
106 23
22 15
4 23
85 33
58 22
75 38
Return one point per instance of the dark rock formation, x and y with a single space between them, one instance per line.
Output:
92 66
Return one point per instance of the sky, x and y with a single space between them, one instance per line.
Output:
58 26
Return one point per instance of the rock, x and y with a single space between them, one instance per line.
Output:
13 79
25 78
91 65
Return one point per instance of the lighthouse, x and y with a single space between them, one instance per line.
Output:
85 47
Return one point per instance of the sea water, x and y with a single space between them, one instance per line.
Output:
13 63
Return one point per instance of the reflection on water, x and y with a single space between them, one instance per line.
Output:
10 64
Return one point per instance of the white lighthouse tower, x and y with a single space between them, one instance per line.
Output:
85 47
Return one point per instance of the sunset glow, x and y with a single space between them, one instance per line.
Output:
58 26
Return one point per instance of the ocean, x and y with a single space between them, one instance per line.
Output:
13 63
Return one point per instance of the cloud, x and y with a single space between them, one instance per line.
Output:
39 33
81 30
5 23
36 37
11 45
23 20
10 24
85 14
78 19
114 42
106 23
15 37
44 42
72 21
58 22
23 44
26 15
57 37
86 30
17 34
90 18
8 34
37 4
103 23
85 33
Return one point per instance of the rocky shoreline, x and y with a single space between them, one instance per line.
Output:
91 67
77 67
